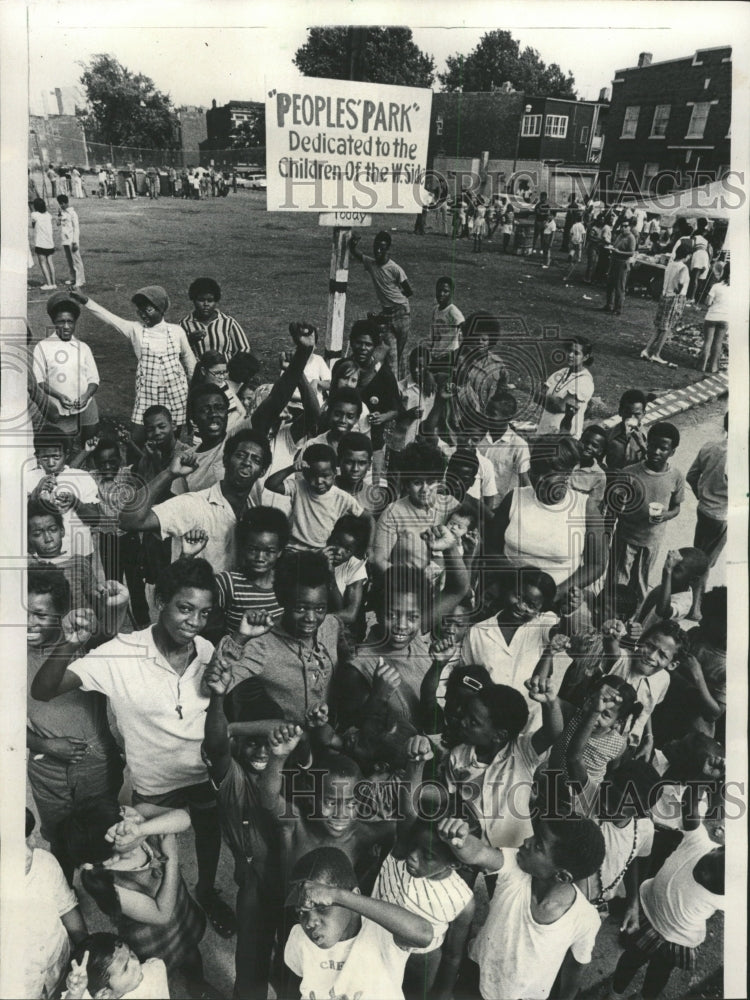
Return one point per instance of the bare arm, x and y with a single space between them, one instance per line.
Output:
269 411
145 910
570 977
275 483
74 924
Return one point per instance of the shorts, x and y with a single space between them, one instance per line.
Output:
44 251
574 254
200 797
710 536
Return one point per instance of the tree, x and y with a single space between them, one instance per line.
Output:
125 108
382 55
251 132
498 59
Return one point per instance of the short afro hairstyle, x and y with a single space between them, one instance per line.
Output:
512 580
632 397
269 520
552 453
243 366
299 569
668 627
663 429
247 435
579 845
345 395
185 574
320 453
627 790
325 864
354 441
51 437
204 286
421 460
365 328
157 410
38 508
199 392
507 708
358 528
50 580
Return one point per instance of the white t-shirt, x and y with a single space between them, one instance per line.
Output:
160 714
519 957
676 905
313 516
636 838
352 571
575 386
510 458
47 898
497 793
445 327
43 237
316 370
208 509
718 304
369 966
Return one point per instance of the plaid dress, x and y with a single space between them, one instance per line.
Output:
172 942
160 379
668 312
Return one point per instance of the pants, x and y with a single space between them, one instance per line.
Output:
617 281
657 974
401 328
259 915
75 264
129 188
630 567
58 788
153 187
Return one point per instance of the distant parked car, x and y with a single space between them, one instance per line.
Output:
258 183
243 181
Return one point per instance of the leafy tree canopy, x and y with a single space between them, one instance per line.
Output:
497 59
125 108
382 55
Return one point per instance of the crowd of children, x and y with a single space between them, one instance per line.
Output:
333 619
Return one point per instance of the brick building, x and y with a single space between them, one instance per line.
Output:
57 139
512 141
669 124
220 122
191 132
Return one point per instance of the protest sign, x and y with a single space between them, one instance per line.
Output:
339 146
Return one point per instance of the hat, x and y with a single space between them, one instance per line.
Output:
154 294
61 300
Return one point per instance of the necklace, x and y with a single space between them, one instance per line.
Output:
178 706
605 889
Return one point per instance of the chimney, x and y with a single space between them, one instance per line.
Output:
644 59
604 94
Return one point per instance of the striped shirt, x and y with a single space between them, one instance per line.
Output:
223 334
439 901
237 595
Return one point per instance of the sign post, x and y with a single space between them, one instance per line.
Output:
345 149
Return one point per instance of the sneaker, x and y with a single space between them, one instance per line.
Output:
70 282
48 288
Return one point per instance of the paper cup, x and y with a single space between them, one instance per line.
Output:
655 510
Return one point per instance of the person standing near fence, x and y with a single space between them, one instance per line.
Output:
152 176
70 237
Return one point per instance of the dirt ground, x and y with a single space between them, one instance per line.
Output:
273 268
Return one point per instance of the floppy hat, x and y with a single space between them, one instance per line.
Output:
154 294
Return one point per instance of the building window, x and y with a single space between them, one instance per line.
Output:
650 170
556 126
439 125
630 124
660 122
531 125
621 174
698 119
584 135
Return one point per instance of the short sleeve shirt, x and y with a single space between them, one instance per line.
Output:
510 458
313 516
446 327
648 487
387 279
48 897
209 509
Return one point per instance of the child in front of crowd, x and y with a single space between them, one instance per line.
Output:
207 327
44 243
354 452
342 417
333 822
346 553
165 359
576 239
594 737
235 766
317 503
45 531
654 496
51 920
105 968
71 491
420 875
503 446
588 476
492 769
674 598
400 529
540 925
129 864
347 944
447 323
647 669
345 375
70 237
